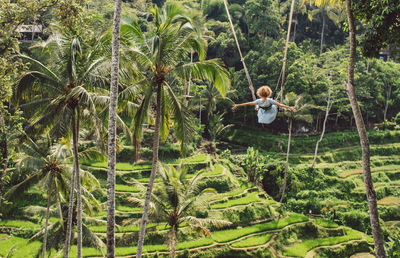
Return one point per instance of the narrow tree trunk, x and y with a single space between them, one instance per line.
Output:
4 156
152 175
253 93
323 30
172 241
286 49
369 187
328 107
295 29
136 148
46 225
75 141
112 131
189 83
71 202
287 161
388 93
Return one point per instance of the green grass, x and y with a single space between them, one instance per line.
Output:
250 198
128 209
126 188
252 241
227 235
301 249
130 250
22 248
358 171
129 228
126 166
122 166
326 223
216 171
19 224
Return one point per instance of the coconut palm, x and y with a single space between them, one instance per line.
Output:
48 168
298 102
162 55
62 94
112 131
326 9
175 201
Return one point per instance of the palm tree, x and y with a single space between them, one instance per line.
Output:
47 166
326 9
175 202
63 93
112 131
298 102
162 56
362 131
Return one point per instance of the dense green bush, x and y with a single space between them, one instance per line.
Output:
222 185
355 219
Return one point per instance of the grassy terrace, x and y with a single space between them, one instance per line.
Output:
301 249
252 241
250 198
126 166
227 235
126 188
19 224
389 200
22 248
358 171
326 223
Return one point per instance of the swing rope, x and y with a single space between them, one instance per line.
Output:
283 70
240 52
286 49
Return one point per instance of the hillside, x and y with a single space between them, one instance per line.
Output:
261 227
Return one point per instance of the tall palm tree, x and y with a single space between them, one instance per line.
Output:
48 167
362 131
62 93
162 55
175 202
326 9
298 102
112 131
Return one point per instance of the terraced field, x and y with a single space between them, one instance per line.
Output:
257 225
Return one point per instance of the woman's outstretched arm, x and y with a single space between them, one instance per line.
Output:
284 106
243 104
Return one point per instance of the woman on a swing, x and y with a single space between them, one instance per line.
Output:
268 107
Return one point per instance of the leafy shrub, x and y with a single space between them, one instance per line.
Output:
222 185
355 219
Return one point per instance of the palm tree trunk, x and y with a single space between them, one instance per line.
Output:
287 161
172 242
323 30
253 94
136 147
286 49
366 166
78 186
4 156
388 93
46 225
71 202
152 175
112 131
328 106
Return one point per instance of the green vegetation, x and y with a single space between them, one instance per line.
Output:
326 223
179 74
301 249
252 241
223 236
249 198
